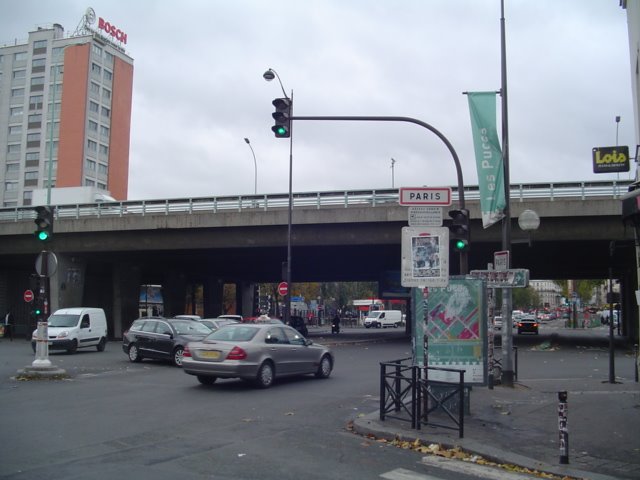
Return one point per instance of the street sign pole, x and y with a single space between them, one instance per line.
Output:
42 344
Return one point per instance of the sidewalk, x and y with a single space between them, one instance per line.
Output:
519 426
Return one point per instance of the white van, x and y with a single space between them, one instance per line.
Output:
73 328
383 318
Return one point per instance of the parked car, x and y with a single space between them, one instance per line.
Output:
216 323
73 328
497 322
256 352
237 318
161 338
297 322
528 324
189 317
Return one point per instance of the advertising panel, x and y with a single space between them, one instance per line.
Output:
455 330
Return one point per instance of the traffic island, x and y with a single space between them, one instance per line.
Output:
42 372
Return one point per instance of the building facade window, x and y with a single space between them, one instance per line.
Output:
104 150
19 56
94 107
106 94
18 74
102 169
106 112
16 111
36 102
13 148
89 165
92 146
96 69
96 50
93 126
89 183
15 130
17 92
12 168
32 159
35 120
30 179
95 88
11 186
104 131
108 76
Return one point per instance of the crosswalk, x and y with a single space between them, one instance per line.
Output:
470 470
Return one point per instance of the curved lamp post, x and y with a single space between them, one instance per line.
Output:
255 165
269 75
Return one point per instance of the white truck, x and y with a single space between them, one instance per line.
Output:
383 319
71 196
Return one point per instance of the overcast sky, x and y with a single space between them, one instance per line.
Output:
199 91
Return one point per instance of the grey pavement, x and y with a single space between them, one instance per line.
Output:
519 425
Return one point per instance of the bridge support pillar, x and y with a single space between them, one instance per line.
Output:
174 292
67 283
126 298
247 298
213 297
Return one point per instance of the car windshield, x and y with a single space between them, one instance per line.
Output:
190 327
63 320
234 333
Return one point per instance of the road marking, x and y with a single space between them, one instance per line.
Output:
475 470
403 474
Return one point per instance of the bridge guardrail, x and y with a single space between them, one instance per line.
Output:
318 200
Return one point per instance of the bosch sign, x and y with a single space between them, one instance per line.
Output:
112 30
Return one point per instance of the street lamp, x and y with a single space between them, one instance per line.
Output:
269 75
255 165
393 162
529 221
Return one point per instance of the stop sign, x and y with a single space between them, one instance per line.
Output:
28 296
283 288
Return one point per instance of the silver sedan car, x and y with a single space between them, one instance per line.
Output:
256 352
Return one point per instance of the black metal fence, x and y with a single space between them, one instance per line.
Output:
407 394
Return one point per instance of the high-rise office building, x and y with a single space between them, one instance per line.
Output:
65 111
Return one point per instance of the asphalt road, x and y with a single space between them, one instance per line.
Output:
114 419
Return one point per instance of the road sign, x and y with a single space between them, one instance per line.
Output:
52 263
425 257
28 296
425 196
425 216
512 278
501 261
283 288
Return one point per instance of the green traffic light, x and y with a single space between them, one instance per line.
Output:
43 236
281 131
38 311
460 245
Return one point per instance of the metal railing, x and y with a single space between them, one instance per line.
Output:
406 396
315 200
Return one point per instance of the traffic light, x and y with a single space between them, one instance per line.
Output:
282 116
459 229
44 223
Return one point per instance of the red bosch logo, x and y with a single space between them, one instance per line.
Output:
112 30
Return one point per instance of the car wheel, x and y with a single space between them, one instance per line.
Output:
73 348
396 325
324 369
134 353
206 380
366 326
101 344
264 379
177 356
378 325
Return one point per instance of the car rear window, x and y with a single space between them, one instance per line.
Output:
234 333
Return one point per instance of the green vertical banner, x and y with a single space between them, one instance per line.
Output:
482 107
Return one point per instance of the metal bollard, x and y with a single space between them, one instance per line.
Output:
562 428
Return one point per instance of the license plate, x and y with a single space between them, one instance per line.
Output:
210 354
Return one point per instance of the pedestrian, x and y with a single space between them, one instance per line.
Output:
8 325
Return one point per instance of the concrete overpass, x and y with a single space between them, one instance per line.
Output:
106 253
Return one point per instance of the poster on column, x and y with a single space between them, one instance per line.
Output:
455 330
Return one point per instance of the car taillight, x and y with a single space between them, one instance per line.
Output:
237 353
186 352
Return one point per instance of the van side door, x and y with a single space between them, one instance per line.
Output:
86 335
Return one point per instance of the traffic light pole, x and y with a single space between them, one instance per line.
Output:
464 258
